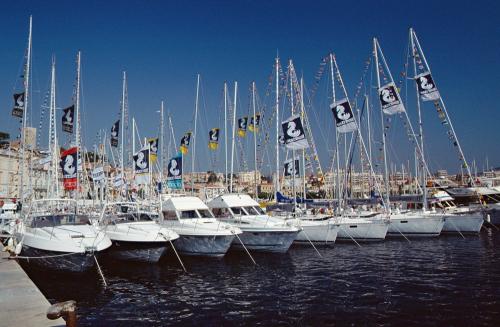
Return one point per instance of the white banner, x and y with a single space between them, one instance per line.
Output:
344 118
293 132
98 174
426 87
118 181
390 99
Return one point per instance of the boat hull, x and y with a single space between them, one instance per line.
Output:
415 226
470 223
138 251
59 261
322 233
265 241
370 231
203 245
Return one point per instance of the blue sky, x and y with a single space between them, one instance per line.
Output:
163 45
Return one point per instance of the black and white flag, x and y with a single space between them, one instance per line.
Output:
344 119
18 109
292 168
115 131
174 174
68 119
141 164
293 132
426 87
390 99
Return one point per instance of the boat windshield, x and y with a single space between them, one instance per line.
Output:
204 213
221 212
58 220
259 210
239 211
187 214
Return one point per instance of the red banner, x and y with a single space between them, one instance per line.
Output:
68 165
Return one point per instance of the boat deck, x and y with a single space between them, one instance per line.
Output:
21 301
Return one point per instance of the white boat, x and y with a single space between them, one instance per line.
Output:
362 229
416 224
135 234
261 232
200 233
8 216
462 220
54 235
317 229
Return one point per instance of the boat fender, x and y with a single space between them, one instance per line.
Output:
19 247
10 243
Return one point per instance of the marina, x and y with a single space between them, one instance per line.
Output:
346 193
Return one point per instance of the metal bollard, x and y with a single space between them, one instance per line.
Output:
66 310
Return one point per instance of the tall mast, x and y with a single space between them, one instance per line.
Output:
277 103
387 190
254 141
233 135
337 161
194 134
26 83
303 150
225 133
294 191
162 147
79 160
122 119
53 185
421 131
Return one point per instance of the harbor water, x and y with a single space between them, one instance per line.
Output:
444 281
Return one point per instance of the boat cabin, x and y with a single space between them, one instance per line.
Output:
235 205
185 207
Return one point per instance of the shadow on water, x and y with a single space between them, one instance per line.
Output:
425 282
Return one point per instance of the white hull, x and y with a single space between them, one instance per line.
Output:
416 225
204 245
266 241
463 222
138 251
362 230
317 231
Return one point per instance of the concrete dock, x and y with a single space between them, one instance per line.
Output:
21 302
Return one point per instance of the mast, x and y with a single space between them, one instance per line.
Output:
225 134
420 125
124 90
303 150
336 137
387 190
194 134
162 147
277 103
254 142
77 123
294 191
52 183
26 83
232 141
368 119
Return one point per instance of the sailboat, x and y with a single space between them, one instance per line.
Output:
457 220
411 223
53 233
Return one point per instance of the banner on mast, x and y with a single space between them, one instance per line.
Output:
141 165
293 132
18 109
185 141
153 146
292 168
344 119
118 181
426 87
69 170
115 131
242 126
68 118
390 99
213 139
254 126
174 174
98 174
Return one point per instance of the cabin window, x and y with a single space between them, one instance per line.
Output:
204 213
238 211
169 215
259 210
189 214
221 212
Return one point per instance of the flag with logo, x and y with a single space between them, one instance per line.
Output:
242 126
115 131
390 99
426 87
18 109
254 125
213 139
141 165
174 173
185 141
293 133
291 167
153 146
344 119
68 119
69 170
